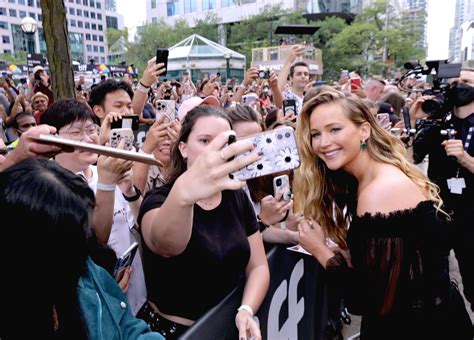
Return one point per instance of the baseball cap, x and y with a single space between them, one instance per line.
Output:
38 68
193 102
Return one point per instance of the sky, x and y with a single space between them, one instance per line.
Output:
440 21
134 14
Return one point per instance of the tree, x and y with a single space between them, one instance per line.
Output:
323 39
375 37
19 57
59 57
257 30
113 35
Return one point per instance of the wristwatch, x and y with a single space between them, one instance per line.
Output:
134 197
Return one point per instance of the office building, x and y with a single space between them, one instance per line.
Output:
463 15
87 22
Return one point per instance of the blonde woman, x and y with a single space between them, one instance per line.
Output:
394 270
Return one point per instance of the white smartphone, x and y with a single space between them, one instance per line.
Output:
281 186
116 135
165 108
278 150
125 261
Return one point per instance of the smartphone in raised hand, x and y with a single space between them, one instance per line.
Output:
278 150
162 57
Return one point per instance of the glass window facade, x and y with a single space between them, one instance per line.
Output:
190 6
227 3
172 8
76 47
208 4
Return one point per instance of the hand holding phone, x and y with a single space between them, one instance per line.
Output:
117 135
289 106
127 121
278 150
162 57
281 188
356 84
125 261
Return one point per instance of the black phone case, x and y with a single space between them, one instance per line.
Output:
117 124
289 104
162 57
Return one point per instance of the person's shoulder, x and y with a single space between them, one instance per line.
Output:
391 191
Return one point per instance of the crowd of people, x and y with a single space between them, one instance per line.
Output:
380 225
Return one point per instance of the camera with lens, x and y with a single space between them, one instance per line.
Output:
264 74
441 105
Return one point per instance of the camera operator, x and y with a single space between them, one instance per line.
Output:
451 167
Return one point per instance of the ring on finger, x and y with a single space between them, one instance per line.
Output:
311 225
221 155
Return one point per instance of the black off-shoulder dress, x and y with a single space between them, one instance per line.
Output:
400 281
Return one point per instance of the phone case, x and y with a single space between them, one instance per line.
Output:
116 135
162 57
279 154
126 259
281 184
127 121
167 108
289 105
71 145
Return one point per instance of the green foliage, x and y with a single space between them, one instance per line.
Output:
361 45
113 35
18 58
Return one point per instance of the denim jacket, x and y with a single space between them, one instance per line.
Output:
105 310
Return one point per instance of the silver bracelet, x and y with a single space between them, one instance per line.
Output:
105 187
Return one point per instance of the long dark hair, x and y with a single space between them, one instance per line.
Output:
50 209
178 163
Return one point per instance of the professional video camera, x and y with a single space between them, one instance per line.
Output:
440 70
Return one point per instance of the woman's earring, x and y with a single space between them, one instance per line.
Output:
363 145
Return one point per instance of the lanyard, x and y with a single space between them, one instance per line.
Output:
468 138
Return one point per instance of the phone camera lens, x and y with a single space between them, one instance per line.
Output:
278 182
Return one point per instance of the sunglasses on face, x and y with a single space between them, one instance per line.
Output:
39 101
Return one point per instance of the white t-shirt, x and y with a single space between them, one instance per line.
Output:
121 237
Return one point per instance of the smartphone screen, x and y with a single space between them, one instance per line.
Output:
162 57
289 105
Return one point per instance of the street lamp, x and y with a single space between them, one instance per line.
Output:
28 26
227 56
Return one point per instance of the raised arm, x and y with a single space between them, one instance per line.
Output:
150 77
296 51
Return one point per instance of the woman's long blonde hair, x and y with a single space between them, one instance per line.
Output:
329 197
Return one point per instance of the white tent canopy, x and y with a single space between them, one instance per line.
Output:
204 55
196 46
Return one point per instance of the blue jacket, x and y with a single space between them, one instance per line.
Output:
105 310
